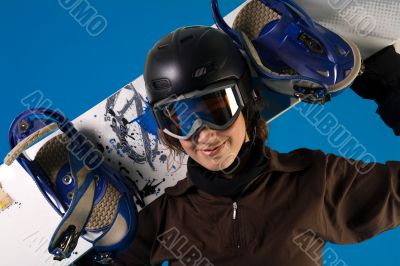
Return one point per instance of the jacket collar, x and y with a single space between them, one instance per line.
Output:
278 162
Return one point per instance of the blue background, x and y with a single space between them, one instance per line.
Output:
43 48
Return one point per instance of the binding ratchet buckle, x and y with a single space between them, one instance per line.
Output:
67 244
312 95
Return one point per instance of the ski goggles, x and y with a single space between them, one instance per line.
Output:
216 107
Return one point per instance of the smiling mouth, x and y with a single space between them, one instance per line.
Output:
213 151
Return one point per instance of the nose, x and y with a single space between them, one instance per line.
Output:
204 135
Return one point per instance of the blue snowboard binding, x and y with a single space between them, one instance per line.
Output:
290 53
94 201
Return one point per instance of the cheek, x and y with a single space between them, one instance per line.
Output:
238 139
237 132
187 146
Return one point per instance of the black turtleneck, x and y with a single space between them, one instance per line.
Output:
232 180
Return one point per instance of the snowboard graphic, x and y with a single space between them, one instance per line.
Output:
123 129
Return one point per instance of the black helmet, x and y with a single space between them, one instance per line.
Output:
192 58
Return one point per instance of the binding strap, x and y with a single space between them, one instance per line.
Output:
28 141
65 237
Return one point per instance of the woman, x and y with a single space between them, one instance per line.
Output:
242 203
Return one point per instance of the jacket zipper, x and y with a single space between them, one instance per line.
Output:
235 225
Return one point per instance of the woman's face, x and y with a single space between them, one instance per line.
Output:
216 150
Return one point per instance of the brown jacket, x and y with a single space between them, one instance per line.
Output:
282 218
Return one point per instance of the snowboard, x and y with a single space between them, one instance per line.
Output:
123 129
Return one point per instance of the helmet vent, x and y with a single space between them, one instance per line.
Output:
161 84
187 38
191 27
163 46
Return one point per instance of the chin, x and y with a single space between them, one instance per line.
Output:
218 164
